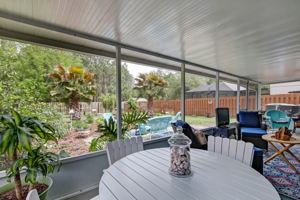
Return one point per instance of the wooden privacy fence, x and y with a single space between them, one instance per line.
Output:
95 107
206 106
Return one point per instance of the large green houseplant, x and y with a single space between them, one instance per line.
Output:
17 137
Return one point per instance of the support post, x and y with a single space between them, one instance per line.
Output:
247 95
217 90
183 91
258 97
119 93
238 94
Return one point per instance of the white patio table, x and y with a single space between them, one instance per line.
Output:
144 175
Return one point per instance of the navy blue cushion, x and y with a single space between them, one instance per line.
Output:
258 151
245 131
249 119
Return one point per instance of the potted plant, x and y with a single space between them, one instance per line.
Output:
17 135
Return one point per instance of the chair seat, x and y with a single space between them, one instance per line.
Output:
246 131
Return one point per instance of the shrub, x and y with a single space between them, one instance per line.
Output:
132 104
108 101
80 125
89 118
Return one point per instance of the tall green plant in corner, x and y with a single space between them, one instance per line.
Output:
16 135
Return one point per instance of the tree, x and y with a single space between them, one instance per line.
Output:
105 76
72 86
108 101
150 85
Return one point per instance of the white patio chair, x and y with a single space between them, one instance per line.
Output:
236 149
32 195
120 148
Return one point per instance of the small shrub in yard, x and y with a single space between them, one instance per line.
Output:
100 120
89 118
80 125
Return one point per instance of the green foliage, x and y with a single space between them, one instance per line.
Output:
17 134
108 101
89 118
24 70
64 154
99 143
133 118
80 125
150 84
132 104
36 162
109 129
72 85
18 131
105 76
100 120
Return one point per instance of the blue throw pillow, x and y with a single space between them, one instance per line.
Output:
249 119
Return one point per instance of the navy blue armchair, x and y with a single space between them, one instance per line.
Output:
250 128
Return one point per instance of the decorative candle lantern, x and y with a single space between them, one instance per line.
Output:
180 154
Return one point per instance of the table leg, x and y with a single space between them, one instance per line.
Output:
291 153
280 153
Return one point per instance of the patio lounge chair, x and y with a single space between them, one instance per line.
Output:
277 119
155 125
106 116
177 117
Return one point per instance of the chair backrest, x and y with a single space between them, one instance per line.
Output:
249 119
32 195
275 114
120 148
177 116
236 149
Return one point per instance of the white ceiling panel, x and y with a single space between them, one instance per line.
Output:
259 40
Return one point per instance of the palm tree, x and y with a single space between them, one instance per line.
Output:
149 86
72 86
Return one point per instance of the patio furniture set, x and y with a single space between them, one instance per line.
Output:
140 174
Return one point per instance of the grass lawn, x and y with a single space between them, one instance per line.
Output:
203 120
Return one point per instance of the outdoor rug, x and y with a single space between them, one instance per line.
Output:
278 172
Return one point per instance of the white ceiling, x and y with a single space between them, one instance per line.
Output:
256 39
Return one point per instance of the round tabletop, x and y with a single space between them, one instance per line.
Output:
144 175
295 139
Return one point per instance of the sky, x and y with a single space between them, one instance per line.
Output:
136 69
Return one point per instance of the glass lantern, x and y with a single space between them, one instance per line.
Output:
180 164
